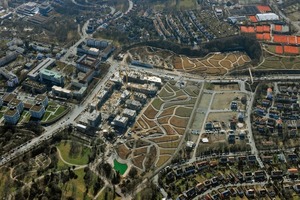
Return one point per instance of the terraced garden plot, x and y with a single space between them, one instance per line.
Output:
213 64
162 160
123 151
163 125
150 112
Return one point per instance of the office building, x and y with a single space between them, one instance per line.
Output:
16 103
54 78
12 79
120 121
12 115
34 74
42 99
37 111
130 114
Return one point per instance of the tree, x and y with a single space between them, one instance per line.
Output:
228 4
116 178
133 172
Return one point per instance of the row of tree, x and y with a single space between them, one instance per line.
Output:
247 44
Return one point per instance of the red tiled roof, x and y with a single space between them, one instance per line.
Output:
263 9
280 38
279 49
278 28
291 49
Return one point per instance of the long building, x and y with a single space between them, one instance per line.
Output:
35 73
8 58
12 79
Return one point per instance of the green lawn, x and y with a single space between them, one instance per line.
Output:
80 159
46 115
108 194
78 187
60 110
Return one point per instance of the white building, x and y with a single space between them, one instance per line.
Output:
131 114
61 92
267 17
120 121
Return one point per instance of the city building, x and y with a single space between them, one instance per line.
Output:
45 8
148 89
42 99
137 77
12 79
12 115
107 52
61 92
120 121
45 64
266 17
86 63
8 58
54 78
96 43
79 93
91 51
16 103
125 95
91 119
28 9
133 104
130 114
34 87
8 97
140 97
37 111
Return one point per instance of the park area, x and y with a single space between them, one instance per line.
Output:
212 64
279 58
73 152
161 126
53 112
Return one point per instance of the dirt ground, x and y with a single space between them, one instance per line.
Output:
221 116
222 101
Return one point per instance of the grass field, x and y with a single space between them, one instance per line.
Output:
80 159
53 111
108 194
120 167
78 186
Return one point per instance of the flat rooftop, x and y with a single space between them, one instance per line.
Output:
36 108
8 97
11 112
15 102
43 65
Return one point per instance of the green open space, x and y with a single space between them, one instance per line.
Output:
53 111
120 167
156 103
107 193
80 155
78 187
183 112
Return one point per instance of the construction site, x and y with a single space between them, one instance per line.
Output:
117 105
